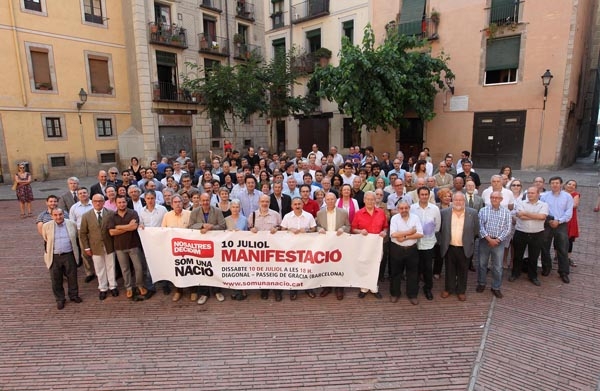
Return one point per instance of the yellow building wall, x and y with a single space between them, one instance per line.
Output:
22 107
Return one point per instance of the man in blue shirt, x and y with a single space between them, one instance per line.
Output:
560 211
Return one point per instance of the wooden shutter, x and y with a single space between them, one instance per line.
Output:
41 67
503 53
99 75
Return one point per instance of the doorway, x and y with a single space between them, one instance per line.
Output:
498 139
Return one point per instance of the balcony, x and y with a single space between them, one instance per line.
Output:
310 9
212 5
304 63
505 14
167 35
244 10
169 92
243 51
212 44
278 20
424 29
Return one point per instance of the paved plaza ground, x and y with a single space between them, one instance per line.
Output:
535 338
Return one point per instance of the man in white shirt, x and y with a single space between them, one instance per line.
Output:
508 198
348 176
76 214
318 154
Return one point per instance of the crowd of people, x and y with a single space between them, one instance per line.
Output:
431 216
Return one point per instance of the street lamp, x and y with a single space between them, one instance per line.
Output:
546 79
82 99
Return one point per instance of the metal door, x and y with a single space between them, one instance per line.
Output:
174 138
314 131
498 139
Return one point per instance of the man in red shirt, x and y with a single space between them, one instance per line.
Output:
308 205
370 220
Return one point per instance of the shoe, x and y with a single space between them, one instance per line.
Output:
76 299
462 297
90 278
596 209
293 296
480 288
310 293
325 292
535 282
472 268
60 305
143 291
238 296
394 299
219 296
565 278
114 292
497 293
339 295
413 300
202 299
176 296
129 293
445 294
194 296
166 290
278 296
512 278
572 263
149 294
361 295
545 273
102 295
378 295
264 295
436 276
428 295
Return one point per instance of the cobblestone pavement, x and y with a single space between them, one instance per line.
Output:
535 338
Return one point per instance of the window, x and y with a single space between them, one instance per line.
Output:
279 49
503 12
92 10
107 157
53 128
209 65
314 40
411 17
277 6
41 69
33 5
502 60
162 14
99 75
104 127
215 128
58 161
277 15
348 28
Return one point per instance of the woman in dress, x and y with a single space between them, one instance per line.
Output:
136 168
346 201
573 225
421 169
506 170
24 191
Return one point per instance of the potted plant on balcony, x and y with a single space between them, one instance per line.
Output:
238 39
435 17
323 55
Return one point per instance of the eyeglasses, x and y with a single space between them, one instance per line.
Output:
515 185
113 173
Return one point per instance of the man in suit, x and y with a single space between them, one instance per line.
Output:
474 201
332 219
60 236
68 199
279 202
460 226
207 218
97 243
100 187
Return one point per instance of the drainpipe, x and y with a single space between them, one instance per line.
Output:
18 53
227 32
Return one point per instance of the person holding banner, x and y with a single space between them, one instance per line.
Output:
265 219
178 218
298 221
332 219
208 218
370 220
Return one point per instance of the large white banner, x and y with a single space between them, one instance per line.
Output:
246 260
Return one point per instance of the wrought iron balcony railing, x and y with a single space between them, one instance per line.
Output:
213 44
278 20
425 28
168 35
169 92
309 10
244 10
211 4
505 14
243 51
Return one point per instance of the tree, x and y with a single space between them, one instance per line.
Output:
376 86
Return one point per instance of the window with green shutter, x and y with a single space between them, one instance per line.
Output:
502 60
411 17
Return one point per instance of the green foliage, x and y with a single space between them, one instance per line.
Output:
248 88
378 85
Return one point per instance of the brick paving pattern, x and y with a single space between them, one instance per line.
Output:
537 338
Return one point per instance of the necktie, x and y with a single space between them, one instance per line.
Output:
99 218
75 196
470 201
